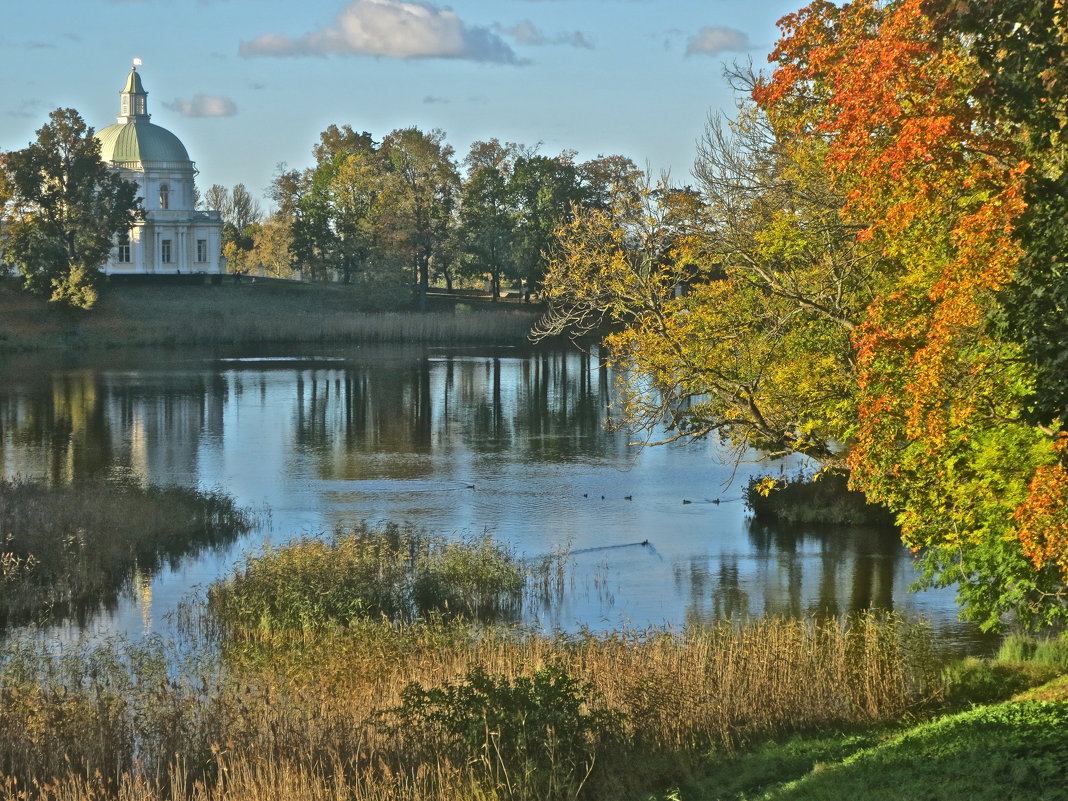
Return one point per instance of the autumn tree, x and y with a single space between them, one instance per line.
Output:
64 210
733 301
942 436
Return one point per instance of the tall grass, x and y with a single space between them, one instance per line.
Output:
351 712
65 548
261 313
396 572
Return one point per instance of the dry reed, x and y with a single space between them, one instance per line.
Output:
303 715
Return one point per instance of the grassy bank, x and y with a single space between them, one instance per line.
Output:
247 313
70 548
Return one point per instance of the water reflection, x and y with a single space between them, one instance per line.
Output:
462 441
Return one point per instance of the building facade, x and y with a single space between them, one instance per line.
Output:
174 238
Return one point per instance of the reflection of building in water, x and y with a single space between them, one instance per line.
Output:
142 586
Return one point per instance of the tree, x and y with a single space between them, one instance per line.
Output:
420 196
605 177
942 436
544 190
217 198
244 209
65 210
487 231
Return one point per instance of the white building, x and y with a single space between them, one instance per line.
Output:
174 238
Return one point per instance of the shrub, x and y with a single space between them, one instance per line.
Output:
532 737
804 498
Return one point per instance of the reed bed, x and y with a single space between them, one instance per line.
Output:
262 313
375 665
64 548
362 572
386 710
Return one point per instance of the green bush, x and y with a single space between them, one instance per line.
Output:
531 737
823 498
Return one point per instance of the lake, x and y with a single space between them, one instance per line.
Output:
459 442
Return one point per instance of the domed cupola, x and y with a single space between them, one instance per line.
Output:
135 142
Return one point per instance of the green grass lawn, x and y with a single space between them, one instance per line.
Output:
1016 751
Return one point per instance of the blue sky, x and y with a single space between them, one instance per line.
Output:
247 84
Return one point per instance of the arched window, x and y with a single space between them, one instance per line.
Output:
164 196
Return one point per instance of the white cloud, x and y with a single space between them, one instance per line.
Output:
715 39
392 28
204 106
527 33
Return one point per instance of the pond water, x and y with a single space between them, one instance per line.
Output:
458 442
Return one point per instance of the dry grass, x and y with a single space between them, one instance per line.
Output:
264 312
306 714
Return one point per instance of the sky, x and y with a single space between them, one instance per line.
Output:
248 85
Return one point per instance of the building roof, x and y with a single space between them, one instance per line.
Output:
127 142
133 84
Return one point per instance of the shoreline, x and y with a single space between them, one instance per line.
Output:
131 315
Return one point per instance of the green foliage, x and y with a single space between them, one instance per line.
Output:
393 572
65 208
529 738
822 498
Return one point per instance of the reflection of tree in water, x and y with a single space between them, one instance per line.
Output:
563 400
797 572
538 407
81 424
864 558
724 586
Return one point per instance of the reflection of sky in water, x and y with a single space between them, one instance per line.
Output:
512 445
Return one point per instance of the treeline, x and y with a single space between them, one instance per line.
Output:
870 271
401 212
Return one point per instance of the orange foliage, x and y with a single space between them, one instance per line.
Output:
936 188
1043 517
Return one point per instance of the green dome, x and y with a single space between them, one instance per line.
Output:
140 142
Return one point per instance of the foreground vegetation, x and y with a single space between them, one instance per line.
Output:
68 549
247 313
350 669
